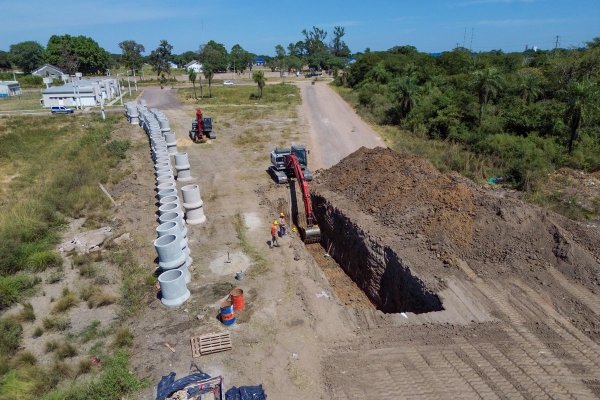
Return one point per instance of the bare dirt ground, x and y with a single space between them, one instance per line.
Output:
520 317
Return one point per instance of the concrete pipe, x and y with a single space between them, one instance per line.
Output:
163 179
166 192
165 185
163 158
169 207
159 166
170 254
176 217
171 143
163 173
162 170
169 199
182 165
173 289
185 269
194 210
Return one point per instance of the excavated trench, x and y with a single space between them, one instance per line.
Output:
376 268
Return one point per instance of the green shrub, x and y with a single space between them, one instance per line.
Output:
11 332
41 260
118 148
13 287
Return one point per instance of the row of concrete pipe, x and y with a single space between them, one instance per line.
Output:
171 244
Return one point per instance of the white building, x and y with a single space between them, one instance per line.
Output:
48 71
9 88
194 65
82 93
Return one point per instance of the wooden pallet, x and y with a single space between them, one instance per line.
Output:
211 343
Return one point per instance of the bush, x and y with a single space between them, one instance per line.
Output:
118 148
41 260
11 332
13 287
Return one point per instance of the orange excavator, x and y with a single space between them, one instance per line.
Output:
309 230
201 128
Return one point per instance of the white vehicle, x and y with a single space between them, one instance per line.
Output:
228 83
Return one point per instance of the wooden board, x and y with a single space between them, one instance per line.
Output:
211 343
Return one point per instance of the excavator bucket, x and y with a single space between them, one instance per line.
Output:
311 234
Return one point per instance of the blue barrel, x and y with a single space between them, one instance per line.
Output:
227 315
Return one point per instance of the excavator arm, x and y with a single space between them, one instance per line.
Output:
312 233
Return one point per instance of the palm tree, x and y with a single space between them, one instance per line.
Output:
208 74
192 76
487 83
529 88
259 78
581 97
404 91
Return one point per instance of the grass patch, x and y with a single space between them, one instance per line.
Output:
14 287
26 101
37 332
11 332
260 262
27 313
281 95
96 297
66 301
114 382
91 331
123 338
137 283
65 350
55 323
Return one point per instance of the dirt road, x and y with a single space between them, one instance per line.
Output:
335 129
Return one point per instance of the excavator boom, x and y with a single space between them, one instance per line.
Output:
311 232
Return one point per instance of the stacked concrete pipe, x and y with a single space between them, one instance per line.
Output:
182 165
194 212
174 228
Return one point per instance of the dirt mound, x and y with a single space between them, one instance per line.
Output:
448 216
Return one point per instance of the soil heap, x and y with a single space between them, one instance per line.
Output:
434 220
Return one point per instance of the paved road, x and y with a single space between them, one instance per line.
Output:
335 129
164 99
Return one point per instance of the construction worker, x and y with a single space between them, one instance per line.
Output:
274 231
282 225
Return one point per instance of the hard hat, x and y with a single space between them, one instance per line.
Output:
282 215
275 223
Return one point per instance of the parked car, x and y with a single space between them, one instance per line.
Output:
228 83
61 110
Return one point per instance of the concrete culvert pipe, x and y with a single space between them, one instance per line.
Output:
169 207
162 166
182 165
165 179
185 269
171 143
174 216
173 228
165 185
170 254
164 172
194 210
166 192
173 289
169 199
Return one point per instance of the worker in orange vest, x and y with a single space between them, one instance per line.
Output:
274 231
282 225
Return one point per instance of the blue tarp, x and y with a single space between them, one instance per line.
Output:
246 393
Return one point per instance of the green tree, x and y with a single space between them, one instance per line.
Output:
581 98
280 59
77 53
260 80
403 91
487 84
529 88
214 55
192 77
239 58
314 40
187 57
4 63
26 55
209 74
159 58
338 46
132 54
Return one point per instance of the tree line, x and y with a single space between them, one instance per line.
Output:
530 111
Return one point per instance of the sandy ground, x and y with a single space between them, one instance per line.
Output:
306 337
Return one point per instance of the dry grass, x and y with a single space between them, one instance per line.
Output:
66 301
55 323
27 313
96 297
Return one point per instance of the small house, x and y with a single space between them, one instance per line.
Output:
194 65
48 71
83 93
9 88
260 62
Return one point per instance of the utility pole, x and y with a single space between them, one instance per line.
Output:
128 84
556 42
134 80
471 44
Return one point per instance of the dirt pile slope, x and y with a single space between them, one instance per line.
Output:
425 212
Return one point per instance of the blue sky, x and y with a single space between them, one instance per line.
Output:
258 26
